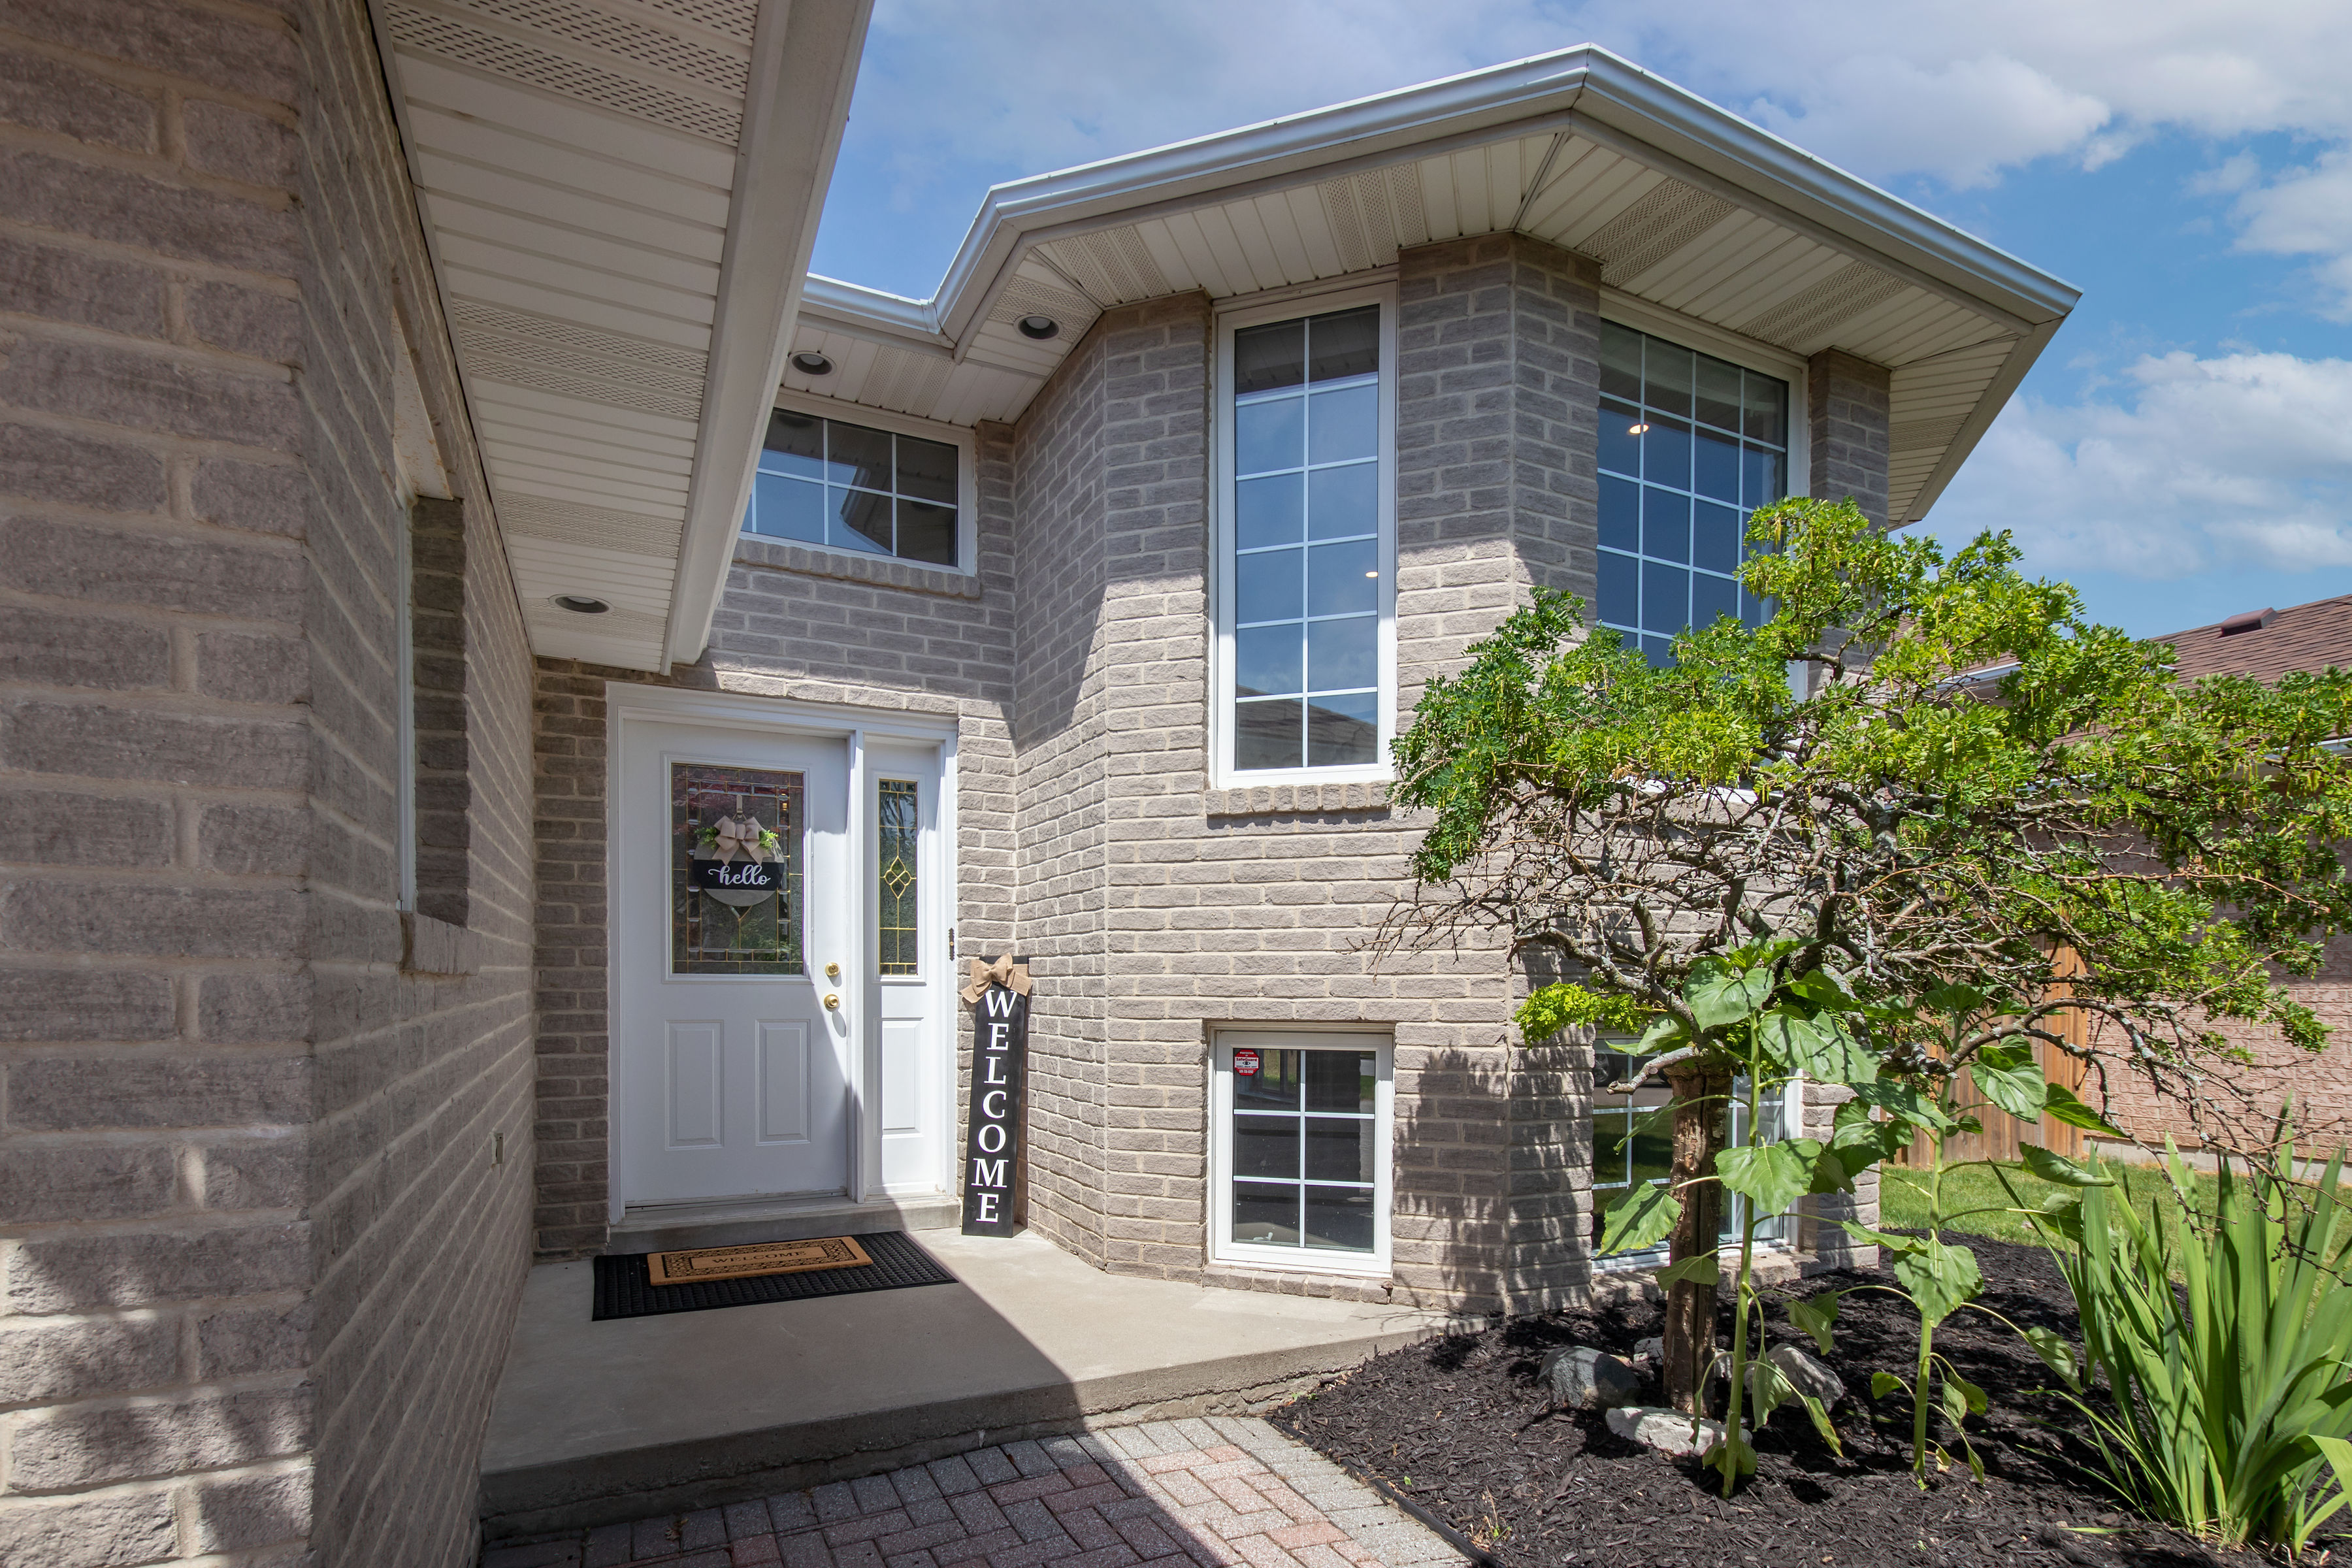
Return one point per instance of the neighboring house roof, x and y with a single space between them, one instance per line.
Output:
1686 206
2267 644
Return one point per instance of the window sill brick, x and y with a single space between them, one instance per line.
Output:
778 556
1282 800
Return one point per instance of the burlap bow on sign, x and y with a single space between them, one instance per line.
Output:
1013 977
737 838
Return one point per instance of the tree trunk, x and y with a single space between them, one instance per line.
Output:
1700 1101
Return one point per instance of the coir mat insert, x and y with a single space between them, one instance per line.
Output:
705 1278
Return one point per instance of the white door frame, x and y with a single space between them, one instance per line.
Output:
627 703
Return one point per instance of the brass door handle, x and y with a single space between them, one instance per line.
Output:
831 1000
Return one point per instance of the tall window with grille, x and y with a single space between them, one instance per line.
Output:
1690 446
1305 600
899 819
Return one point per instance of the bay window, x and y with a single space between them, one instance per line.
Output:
1691 445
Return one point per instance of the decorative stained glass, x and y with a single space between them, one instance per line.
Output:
735 886
900 816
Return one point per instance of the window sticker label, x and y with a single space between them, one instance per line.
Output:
1245 1063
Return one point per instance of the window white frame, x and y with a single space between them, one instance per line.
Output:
1254 312
960 436
1222 1247
1778 1229
1686 332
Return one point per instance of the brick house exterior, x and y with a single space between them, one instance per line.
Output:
2244 1113
312 844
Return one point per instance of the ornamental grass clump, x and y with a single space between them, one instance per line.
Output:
2228 1406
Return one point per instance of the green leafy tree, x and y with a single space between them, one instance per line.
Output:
1921 772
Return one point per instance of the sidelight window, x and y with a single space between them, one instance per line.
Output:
900 821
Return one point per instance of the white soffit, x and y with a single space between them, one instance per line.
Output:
1685 205
612 188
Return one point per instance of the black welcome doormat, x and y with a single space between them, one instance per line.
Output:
623 1290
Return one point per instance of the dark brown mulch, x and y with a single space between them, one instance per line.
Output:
1458 1424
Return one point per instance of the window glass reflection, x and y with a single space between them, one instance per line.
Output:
1690 446
1306 435
1305 1147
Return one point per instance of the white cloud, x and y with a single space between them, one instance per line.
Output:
1962 121
2308 211
957 92
2242 461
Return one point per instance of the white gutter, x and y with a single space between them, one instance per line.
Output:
1585 89
804 57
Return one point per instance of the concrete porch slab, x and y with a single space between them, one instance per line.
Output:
601 1422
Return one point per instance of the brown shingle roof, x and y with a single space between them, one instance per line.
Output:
2301 636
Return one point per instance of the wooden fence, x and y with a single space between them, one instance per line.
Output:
2003 1133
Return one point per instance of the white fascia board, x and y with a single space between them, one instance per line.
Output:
870 312
1651 109
804 58
1586 84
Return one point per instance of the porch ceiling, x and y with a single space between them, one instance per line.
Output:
1685 206
620 196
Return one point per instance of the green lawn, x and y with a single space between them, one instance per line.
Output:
1903 1198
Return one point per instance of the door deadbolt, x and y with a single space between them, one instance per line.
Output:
831 1000
833 971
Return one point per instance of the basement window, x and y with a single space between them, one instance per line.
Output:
1632 1144
864 488
1300 1172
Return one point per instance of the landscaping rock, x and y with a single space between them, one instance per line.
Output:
1582 1378
1808 1376
1667 1431
1652 1350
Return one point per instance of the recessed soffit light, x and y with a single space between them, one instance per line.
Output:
809 363
581 604
1039 327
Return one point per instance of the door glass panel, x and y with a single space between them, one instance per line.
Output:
894 896
736 858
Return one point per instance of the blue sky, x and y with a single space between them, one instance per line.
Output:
2183 450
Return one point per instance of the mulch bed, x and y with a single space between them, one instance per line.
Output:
1459 1425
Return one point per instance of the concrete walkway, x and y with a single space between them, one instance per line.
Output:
602 1422
1215 1493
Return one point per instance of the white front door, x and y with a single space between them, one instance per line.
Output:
733 1041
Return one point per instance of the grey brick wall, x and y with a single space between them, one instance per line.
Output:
1153 908
258 1266
419 1181
1848 406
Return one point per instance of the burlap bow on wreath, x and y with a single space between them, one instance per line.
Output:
738 837
1013 977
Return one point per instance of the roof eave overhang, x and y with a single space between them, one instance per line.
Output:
1590 89
803 68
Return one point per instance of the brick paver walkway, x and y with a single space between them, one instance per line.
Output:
1219 1493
